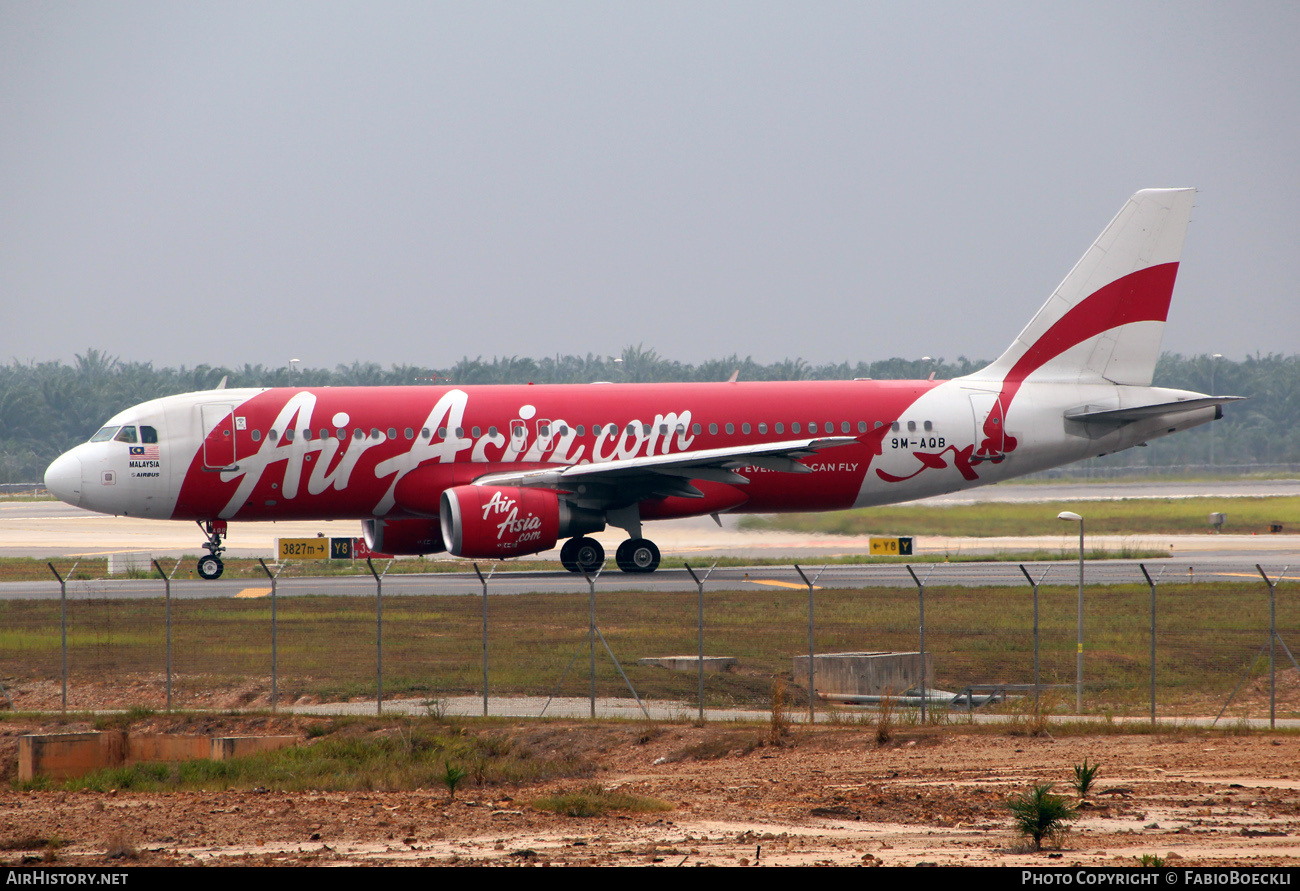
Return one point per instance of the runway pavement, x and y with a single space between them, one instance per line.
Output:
49 529
672 579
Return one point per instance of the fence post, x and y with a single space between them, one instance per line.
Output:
167 597
591 632
483 581
1152 584
812 714
275 681
699 626
379 633
1034 584
920 587
63 625
1272 644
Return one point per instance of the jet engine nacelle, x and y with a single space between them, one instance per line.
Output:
403 537
500 521
491 521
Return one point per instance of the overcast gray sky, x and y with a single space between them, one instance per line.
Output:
222 183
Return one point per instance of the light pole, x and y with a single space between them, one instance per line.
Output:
1072 517
1214 364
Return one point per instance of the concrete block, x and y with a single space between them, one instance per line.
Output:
146 747
63 755
224 747
716 664
865 674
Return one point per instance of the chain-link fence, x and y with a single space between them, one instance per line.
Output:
140 643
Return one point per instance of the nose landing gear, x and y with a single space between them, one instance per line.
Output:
210 567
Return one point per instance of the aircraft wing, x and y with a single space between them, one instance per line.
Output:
671 474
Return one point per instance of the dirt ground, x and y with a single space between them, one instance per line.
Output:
831 795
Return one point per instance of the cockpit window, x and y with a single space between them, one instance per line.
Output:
148 434
104 434
126 434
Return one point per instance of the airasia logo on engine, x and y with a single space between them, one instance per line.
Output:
523 529
499 522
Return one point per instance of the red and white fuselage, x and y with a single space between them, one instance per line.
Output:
530 464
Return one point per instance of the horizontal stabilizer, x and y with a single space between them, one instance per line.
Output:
1094 414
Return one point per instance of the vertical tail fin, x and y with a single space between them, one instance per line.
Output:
1105 321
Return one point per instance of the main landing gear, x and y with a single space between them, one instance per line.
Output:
586 555
210 567
582 555
637 555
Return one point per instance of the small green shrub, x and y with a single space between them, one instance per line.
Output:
1040 814
452 774
885 720
595 800
1084 774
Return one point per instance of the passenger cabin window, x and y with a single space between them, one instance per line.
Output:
695 428
894 427
104 434
257 436
911 426
862 426
794 428
713 429
928 426
762 428
812 428
731 428
126 434
780 428
744 428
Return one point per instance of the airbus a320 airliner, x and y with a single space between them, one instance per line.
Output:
503 471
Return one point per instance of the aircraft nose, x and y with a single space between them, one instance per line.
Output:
63 478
